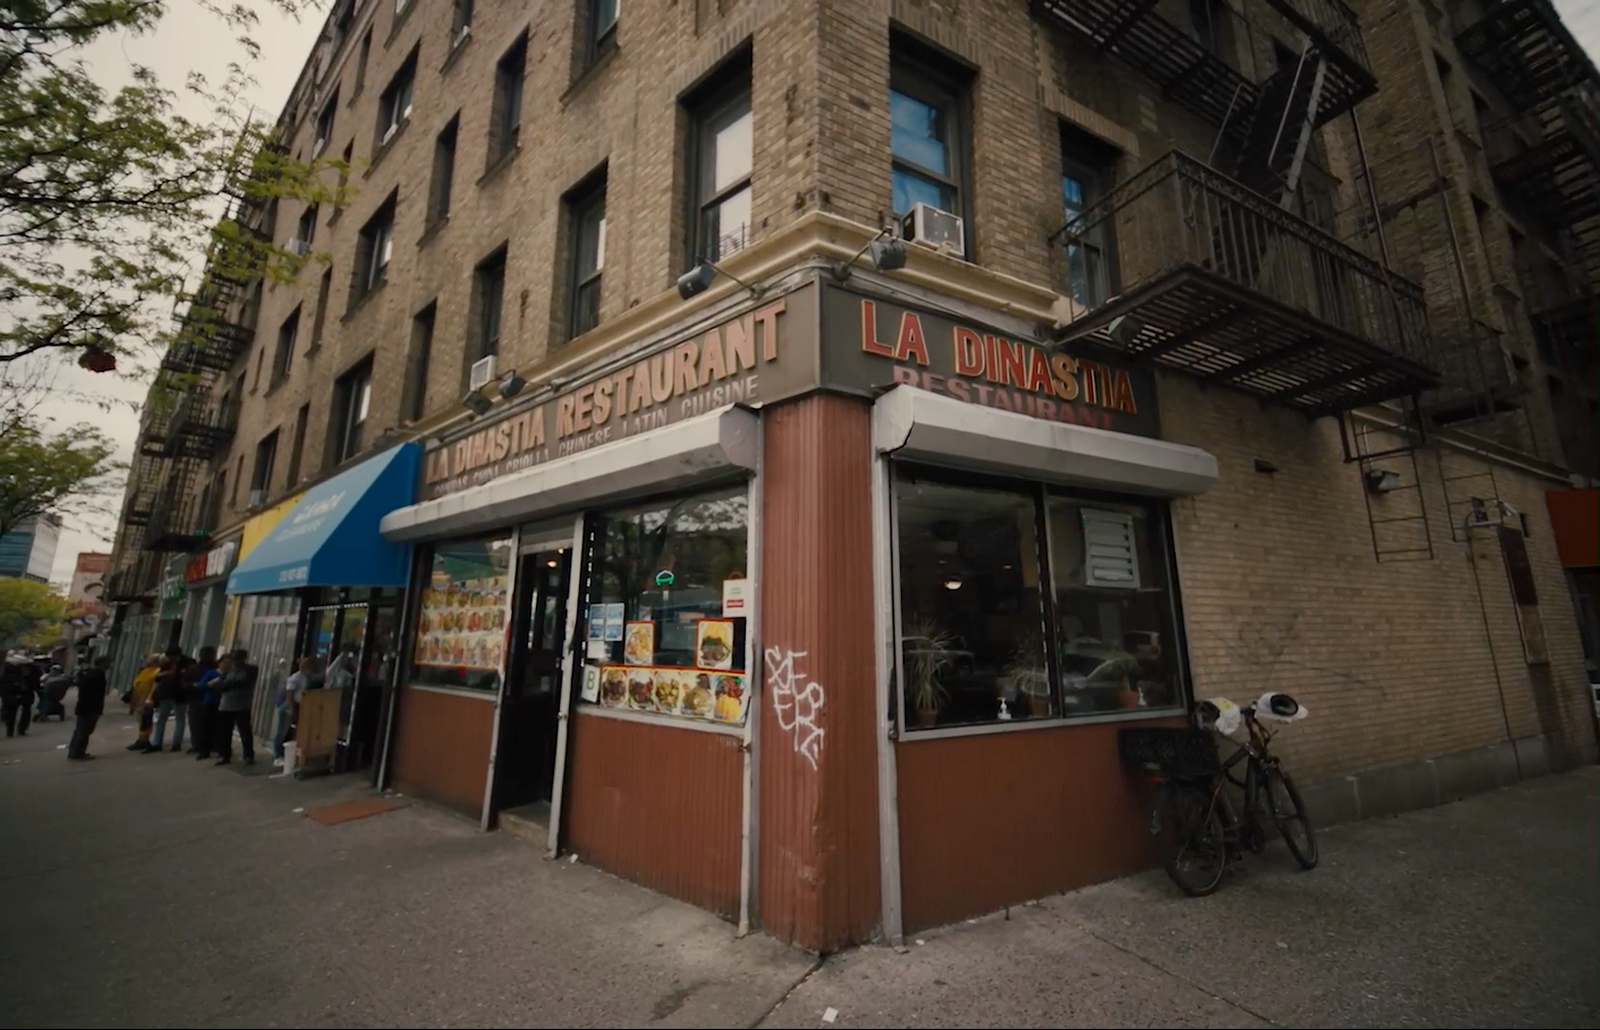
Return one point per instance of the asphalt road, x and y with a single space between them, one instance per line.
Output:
156 891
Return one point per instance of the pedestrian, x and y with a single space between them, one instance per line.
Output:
173 685
17 681
139 700
238 686
52 689
92 687
288 704
200 714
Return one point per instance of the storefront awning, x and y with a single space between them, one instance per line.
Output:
330 538
923 426
672 458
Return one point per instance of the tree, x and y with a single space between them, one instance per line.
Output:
103 193
44 474
30 612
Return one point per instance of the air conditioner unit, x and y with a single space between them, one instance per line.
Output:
299 248
257 498
931 227
388 134
482 373
461 36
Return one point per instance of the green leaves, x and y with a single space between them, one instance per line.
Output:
30 612
42 474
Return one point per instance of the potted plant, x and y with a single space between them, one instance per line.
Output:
1025 675
927 656
1115 670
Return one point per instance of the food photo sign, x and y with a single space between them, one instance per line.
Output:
712 690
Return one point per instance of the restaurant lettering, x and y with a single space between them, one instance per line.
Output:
721 366
975 365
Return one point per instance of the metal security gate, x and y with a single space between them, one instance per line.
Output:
271 645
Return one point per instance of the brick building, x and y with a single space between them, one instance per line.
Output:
813 586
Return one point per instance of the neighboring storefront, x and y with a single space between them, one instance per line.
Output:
205 581
322 583
171 600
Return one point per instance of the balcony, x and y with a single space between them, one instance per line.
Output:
178 520
1526 51
1477 378
1551 160
1219 282
197 430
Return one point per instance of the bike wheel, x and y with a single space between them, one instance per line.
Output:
1194 846
1289 813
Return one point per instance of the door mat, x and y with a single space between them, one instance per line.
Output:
349 811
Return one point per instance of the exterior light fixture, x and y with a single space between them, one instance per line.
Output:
476 402
1381 481
887 251
1124 330
511 385
1265 466
698 280
953 583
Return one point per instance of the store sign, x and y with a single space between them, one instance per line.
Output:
762 355
873 343
216 562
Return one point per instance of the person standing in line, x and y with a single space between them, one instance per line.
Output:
139 701
238 686
172 687
288 703
206 673
16 693
52 689
91 703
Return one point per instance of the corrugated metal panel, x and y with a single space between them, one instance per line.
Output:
658 805
818 844
995 820
441 747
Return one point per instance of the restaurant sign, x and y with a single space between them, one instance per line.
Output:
871 344
762 355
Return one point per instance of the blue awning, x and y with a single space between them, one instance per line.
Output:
331 537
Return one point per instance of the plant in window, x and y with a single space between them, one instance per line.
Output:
1115 671
928 650
1025 679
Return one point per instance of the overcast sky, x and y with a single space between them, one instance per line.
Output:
188 42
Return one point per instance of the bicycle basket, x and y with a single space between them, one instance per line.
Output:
1177 752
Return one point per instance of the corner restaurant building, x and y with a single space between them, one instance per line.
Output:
822 613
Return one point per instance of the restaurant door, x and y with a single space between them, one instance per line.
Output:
525 757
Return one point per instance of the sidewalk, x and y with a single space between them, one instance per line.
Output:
156 890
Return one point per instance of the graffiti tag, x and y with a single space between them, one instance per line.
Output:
797 702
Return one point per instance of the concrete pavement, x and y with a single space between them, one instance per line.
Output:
142 891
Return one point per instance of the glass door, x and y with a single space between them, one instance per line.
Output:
526 756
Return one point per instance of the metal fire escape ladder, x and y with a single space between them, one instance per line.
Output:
1391 486
1280 133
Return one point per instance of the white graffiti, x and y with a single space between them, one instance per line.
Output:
797 702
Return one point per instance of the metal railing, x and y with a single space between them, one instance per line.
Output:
1471 363
1179 212
1334 21
1576 115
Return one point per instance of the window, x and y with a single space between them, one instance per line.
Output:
394 106
415 400
222 488
586 218
298 447
444 170
1086 174
1023 603
305 231
654 608
345 160
1205 19
460 23
488 294
600 24
374 248
325 119
252 307
261 474
505 116
362 55
283 357
926 138
721 173
238 477
401 7
261 357
352 398
461 621
324 288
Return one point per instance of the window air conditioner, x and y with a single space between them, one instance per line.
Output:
257 498
299 248
482 373
939 230
388 134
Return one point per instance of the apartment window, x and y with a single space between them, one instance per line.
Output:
1087 169
343 20
261 475
222 488
460 23
926 137
488 295
362 55
325 119
401 7
374 248
394 106
600 24
283 357
352 399
505 117
305 231
261 357
586 218
238 477
297 449
345 161
269 224
1205 19
414 403
324 288
252 306
721 174
444 170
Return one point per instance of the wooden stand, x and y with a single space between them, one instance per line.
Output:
317 731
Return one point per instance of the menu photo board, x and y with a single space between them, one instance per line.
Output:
711 690
462 623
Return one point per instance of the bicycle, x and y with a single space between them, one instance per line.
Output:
1200 832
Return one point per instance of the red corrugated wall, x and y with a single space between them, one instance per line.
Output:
1575 518
441 747
659 805
818 842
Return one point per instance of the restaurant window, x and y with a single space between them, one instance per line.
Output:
1017 603
462 619
666 598
926 134
722 159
